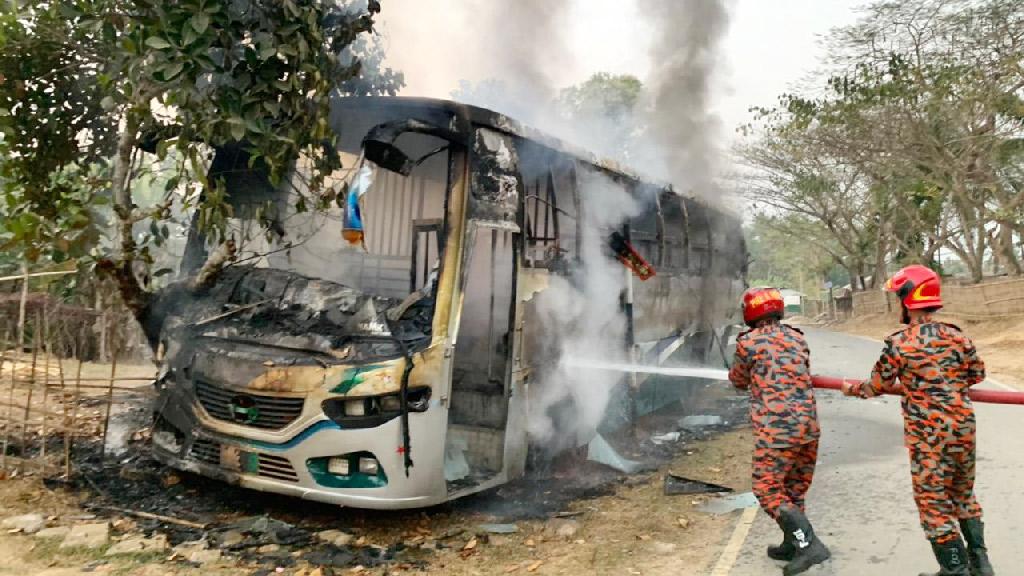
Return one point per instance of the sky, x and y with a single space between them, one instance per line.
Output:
771 45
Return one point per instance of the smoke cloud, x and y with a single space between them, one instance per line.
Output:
684 56
517 59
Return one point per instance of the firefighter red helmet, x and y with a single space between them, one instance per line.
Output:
917 287
760 303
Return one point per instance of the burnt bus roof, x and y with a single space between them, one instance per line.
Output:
460 119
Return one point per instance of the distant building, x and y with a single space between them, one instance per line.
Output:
794 300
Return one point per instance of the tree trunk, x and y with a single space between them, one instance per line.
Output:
132 293
22 303
1005 239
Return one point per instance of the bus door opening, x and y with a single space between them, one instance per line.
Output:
481 368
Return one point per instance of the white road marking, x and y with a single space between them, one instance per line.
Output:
1001 386
732 550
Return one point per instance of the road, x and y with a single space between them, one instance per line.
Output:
861 503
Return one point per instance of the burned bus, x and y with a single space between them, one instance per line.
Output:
383 354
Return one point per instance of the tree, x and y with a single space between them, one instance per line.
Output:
923 101
88 83
599 114
786 251
603 112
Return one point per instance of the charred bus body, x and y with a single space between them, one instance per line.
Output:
397 372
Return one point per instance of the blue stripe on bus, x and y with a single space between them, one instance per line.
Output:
295 440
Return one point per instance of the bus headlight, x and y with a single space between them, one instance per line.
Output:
390 403
338 465
356 407
372 411
369 466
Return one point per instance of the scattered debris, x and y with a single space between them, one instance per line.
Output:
567 514
452 533
151 516
331 557
562 528
269 549
336 537
229 538
139 544
55 532
600 451
701 421
27 523
728 504
675 485
684 523
663 548
205 556
456 467
197 551
266 530
533 567
94 535
668 438
499 528
471 545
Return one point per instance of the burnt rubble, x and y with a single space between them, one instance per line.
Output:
284 310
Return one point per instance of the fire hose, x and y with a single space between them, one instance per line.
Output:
976 394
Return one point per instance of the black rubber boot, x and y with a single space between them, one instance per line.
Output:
807 548
785 550
952 557
977 553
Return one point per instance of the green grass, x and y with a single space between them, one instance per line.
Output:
49 550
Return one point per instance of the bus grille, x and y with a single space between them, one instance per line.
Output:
206 451
270 412
268 466
277 468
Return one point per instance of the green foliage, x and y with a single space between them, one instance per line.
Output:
787 251
204 73
85 83
921 108
599 114
54 136
603 95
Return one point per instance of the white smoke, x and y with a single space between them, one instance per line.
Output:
517 59
581 317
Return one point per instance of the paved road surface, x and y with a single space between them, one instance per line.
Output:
861 501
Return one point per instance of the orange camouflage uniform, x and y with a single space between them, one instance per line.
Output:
935 365
773 362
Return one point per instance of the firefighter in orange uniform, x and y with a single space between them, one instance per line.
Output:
773 362
935 365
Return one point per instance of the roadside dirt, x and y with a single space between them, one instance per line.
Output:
580 518
999 341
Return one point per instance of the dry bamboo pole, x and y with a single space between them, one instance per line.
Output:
31 388
139 389
46 378
37 275
64 419
78 390
7 424
104 386
18 354
114 351
34 412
